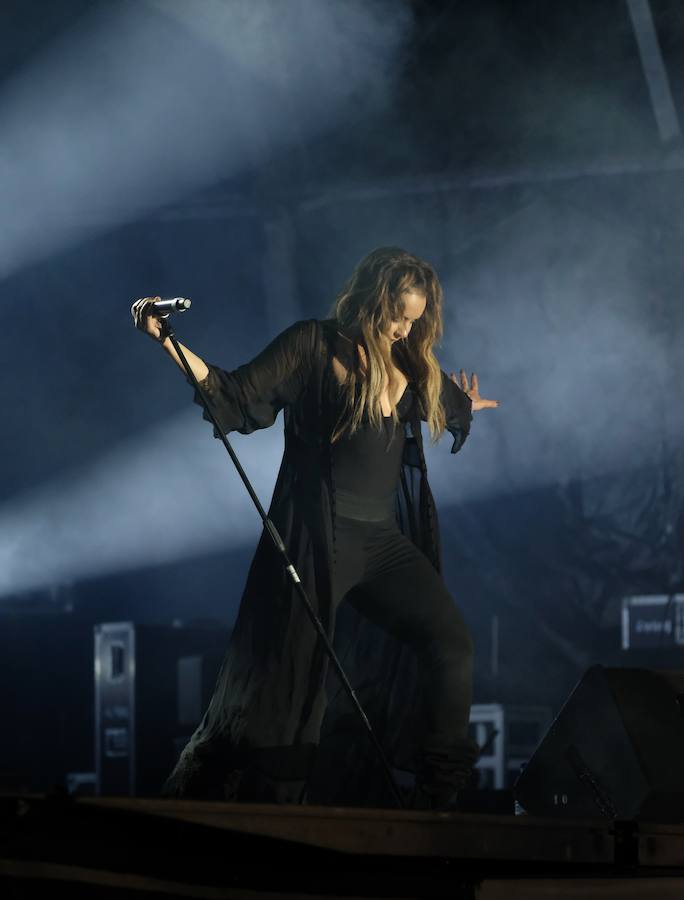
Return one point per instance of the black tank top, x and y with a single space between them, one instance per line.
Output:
367 464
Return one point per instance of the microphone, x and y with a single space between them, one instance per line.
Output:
173 305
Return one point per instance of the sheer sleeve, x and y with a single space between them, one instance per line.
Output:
458 411
250 397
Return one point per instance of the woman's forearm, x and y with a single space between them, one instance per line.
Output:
198 366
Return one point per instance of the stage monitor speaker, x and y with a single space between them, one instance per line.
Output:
152 684
616 749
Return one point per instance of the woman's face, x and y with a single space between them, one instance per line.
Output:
414 307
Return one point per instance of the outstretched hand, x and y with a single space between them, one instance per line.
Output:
473 391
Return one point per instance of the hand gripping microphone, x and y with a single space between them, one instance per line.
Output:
163 308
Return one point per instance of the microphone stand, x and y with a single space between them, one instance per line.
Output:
167 331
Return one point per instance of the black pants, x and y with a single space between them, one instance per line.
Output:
397 588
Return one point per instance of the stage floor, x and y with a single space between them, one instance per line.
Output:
118 847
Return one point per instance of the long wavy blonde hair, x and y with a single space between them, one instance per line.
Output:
364 310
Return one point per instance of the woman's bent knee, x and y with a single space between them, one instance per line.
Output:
455 635
453 645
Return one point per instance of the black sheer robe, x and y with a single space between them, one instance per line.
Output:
261 737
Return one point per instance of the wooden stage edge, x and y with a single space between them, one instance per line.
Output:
409 833
138 847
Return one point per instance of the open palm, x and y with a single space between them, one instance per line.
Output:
473 391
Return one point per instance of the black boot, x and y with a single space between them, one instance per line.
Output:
443 768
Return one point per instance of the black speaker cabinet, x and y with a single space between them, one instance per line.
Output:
616 749
152 685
